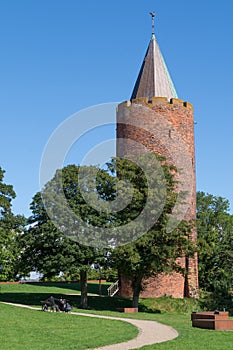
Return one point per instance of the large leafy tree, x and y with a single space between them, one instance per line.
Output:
155 250
215 240
62 234
11 227
70 237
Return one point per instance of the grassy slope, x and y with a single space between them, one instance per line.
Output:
28 329
68 288
165 310
192 338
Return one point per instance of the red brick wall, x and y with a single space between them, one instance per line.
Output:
156 125
170 285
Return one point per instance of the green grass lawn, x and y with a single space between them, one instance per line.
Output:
53 288
30 328
36 330
192 338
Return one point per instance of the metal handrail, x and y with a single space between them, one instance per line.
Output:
113 289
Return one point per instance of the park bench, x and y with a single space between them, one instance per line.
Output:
217 320
45 305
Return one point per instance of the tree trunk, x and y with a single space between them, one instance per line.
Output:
136 292
83 282
100 287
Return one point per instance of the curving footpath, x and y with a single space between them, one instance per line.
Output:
150 332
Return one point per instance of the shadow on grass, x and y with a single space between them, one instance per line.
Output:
99 303
149 310
94 302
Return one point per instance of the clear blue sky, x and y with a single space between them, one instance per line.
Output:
58 57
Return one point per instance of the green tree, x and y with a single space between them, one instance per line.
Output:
52 243
11 227
102 213
215 241
156 250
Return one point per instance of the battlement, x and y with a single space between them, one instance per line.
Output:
155 101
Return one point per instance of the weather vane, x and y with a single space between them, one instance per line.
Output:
153 22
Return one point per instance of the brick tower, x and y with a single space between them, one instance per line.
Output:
155 118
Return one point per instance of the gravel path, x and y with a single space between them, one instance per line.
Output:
150 332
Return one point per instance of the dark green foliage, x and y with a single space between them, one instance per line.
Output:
74 199
215 240
11 227
54 241
70 223
6 195
104 273
155 250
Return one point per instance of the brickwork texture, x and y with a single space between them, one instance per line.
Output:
156 125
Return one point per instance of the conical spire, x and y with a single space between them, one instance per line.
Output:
154 79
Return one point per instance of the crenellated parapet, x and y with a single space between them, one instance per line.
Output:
156 101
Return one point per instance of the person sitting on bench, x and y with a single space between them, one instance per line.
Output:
67 307
52 304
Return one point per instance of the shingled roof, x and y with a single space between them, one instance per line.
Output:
154 79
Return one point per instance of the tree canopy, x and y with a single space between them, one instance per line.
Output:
11 227
215 240
155 250
86 214
54 241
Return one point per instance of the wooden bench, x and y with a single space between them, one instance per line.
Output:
127 309
45 304
216 320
